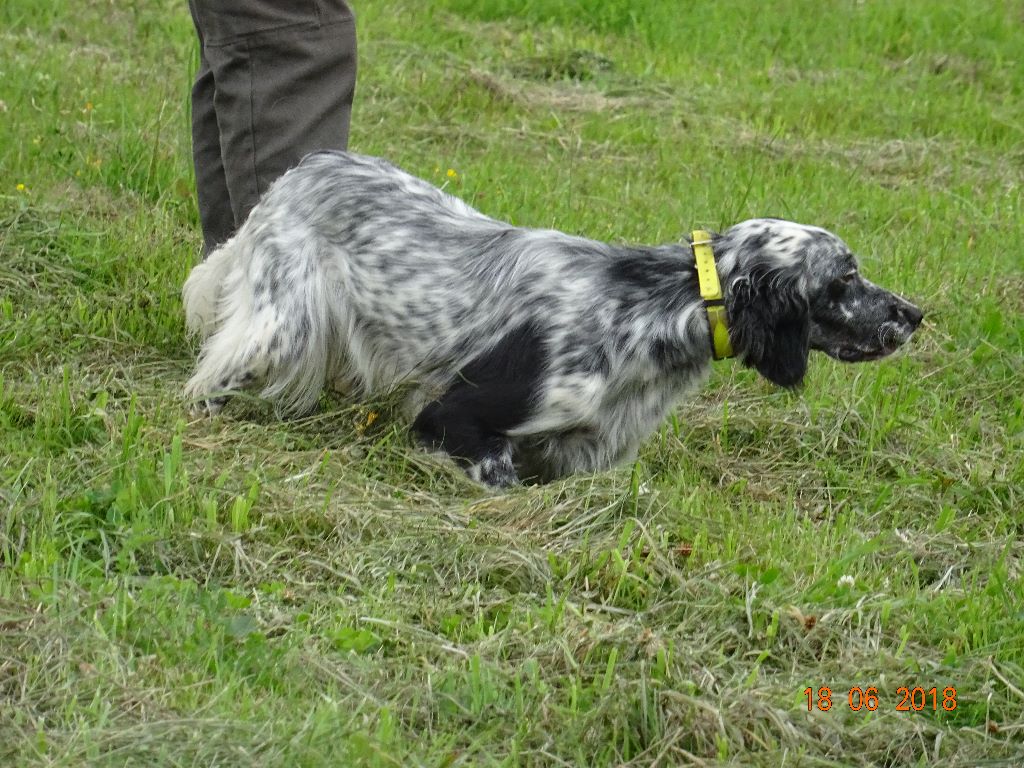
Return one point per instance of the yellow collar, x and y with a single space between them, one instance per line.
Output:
711 292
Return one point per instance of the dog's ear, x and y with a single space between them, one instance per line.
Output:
769 323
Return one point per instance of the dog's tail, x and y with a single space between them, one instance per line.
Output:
280 342
203 287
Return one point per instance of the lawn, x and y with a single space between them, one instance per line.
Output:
242 591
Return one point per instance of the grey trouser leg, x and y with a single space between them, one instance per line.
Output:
275 82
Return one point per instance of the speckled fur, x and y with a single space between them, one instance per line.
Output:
352 272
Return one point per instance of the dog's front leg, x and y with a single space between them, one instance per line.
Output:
454 426
491 395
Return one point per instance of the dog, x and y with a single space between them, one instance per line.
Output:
525 353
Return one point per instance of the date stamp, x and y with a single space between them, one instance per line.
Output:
907 699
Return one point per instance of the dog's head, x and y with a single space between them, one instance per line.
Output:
790 288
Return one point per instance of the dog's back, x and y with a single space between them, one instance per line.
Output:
352 270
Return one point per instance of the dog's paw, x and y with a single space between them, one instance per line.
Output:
207 408
495 471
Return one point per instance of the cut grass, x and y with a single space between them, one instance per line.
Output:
318 592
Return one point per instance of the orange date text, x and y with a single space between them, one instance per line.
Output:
907 699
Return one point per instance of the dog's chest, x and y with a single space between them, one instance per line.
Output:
636 405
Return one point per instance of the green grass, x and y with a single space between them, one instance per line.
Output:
319 593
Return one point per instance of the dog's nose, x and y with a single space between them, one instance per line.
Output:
906 312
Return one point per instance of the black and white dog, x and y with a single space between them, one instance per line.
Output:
527 352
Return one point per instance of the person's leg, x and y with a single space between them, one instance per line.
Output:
284 79
215 214
302 100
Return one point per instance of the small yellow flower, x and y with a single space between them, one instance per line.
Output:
452 173
87 108
363 422
20 187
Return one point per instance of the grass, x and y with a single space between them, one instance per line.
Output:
249 592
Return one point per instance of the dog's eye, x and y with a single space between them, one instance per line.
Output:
839 286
